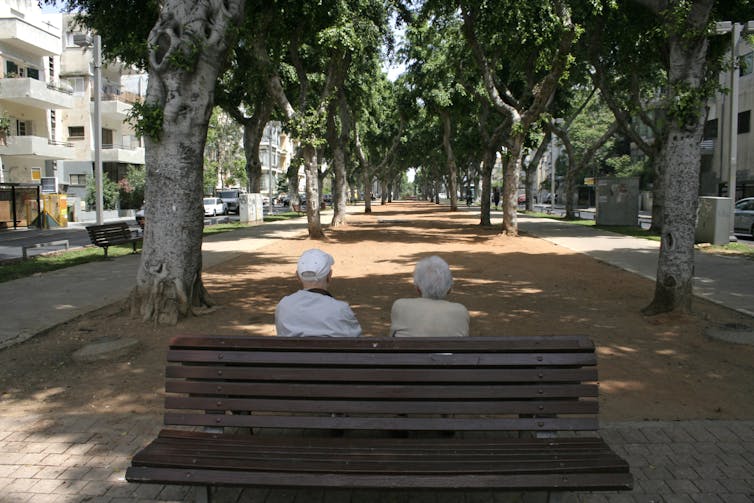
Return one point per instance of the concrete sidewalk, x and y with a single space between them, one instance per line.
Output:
38 303
724 280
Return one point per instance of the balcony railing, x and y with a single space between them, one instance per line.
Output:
113 146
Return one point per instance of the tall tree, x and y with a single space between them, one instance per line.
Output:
686 28
433 53
183 45
537 39
586 130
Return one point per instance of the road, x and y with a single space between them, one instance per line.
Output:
12 242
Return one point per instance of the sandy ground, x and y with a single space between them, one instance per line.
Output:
661 368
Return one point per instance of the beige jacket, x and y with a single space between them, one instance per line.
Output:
421 317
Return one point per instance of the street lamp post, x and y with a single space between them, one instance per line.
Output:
85 42
269 162
97 126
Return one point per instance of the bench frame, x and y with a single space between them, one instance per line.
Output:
111 234
476 413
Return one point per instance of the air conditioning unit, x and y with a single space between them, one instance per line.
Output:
82 39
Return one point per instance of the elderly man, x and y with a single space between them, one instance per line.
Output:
312 311
430 315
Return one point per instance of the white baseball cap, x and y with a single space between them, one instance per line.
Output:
314 265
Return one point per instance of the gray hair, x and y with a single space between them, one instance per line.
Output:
433 278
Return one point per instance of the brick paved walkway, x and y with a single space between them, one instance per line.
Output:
75 458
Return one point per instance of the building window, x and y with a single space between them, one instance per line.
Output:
746 64
78 85
53 124
744 122
11 69
76 132
24 128
78 179
710 129
32 73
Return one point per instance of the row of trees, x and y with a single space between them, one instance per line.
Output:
482 77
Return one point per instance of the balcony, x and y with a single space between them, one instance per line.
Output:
34 93
113 108
122 154
37 147
39 38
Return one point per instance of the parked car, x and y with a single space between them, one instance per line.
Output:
521 198
743 220
230 198
214 206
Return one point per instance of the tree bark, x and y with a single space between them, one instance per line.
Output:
187 50
253 130
511 169
312 194
450 159
366 169
338 139
488 164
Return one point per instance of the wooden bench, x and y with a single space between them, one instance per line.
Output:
432 413
117 233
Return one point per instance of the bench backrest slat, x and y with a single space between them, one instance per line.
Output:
261 373
479 383
384 423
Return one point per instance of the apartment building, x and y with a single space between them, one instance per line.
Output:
714 168
120 87
47 106
275 155
32 95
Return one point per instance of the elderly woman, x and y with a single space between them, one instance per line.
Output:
430 315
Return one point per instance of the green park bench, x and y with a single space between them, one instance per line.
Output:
467 414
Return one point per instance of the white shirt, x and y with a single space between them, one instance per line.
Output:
421 317
307 314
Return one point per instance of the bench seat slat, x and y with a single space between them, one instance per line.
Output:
422 456
536 460
382 423
605 481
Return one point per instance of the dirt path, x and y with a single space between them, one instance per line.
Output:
650 368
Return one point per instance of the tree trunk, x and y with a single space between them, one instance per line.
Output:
338 138
681 162
451 160
675 269
488 164
292 176
658 191
312 194
168 281
367 192
511 168
253 129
